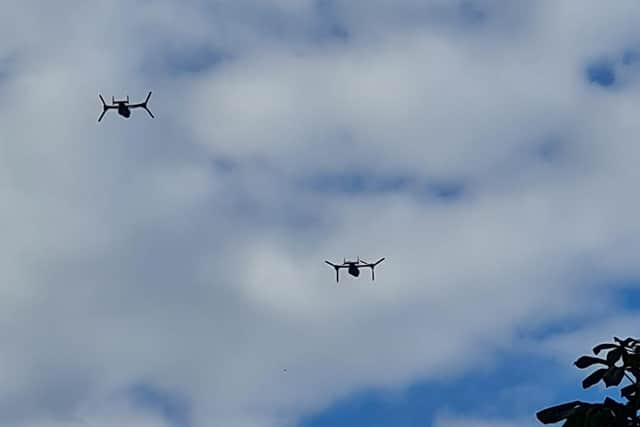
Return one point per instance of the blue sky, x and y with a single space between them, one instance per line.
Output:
502 391
169 272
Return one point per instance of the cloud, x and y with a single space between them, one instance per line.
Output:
182 252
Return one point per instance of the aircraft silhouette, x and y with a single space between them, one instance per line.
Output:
353 267
123 107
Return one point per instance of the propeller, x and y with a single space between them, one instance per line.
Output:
144 105
147 110
337 268
104 108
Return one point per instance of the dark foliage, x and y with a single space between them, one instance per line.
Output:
622 361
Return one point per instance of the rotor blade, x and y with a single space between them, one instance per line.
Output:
379 261
337 268
364 262
102 99
147 110
148 96
102 115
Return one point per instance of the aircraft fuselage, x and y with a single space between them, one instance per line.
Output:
124 110
353 270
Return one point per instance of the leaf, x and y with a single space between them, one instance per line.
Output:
614 406
629 390
599 417
627 342
597 349
613 356
576 420
559 412
594 377
633 360
613 376
586 361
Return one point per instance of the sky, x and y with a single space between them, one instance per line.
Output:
170 272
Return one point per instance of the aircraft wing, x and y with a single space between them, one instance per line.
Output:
368 264
336 265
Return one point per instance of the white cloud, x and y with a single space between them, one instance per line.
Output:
128 257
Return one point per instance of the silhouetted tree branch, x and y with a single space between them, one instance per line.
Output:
622 361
